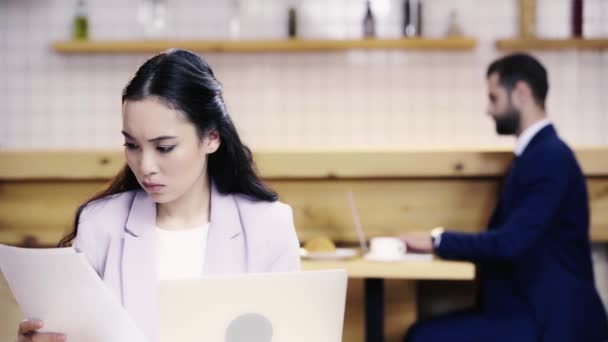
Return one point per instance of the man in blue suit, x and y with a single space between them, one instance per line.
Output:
534 260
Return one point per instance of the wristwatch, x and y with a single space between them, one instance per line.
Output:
436 236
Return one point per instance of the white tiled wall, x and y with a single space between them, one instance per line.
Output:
336 99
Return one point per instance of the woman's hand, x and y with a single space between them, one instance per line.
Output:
28 332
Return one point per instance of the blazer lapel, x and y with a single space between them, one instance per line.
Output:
225 250
225 254
139 266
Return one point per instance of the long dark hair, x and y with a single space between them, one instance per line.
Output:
184 81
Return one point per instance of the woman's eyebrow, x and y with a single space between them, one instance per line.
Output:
157 139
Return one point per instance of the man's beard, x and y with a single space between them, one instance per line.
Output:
508 123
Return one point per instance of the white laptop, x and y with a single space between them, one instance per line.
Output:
271 307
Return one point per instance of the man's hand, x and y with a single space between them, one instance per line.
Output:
418 242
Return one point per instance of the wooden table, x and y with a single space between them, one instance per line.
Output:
374 273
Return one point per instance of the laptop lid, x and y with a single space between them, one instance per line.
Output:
357 221
270 307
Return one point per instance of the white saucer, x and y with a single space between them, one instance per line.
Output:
340 253
405 257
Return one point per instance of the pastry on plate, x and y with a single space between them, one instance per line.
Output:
320 244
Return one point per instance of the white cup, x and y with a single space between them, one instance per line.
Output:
387 247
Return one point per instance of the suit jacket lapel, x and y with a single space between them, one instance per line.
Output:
225 250
139 266
507 186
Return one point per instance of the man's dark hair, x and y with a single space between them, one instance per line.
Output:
522 67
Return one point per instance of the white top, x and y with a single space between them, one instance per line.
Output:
526 136
181 252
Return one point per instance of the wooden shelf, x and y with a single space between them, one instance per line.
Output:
552 44
292 45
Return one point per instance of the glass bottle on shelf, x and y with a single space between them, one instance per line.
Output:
153 18
292 22
412 18
235 20
454 29
80 29
577 18
419 18
369 23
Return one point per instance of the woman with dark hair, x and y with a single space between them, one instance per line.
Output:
188 203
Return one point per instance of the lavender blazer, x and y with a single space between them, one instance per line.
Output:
117 234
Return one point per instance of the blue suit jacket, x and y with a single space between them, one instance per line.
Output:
535 257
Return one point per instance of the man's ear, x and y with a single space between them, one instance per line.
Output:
522 94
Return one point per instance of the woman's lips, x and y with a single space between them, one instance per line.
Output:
152 187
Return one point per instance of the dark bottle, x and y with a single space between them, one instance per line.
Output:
292 22
407 19
419 18
369 23
412 18
577 18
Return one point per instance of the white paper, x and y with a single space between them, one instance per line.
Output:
60 287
